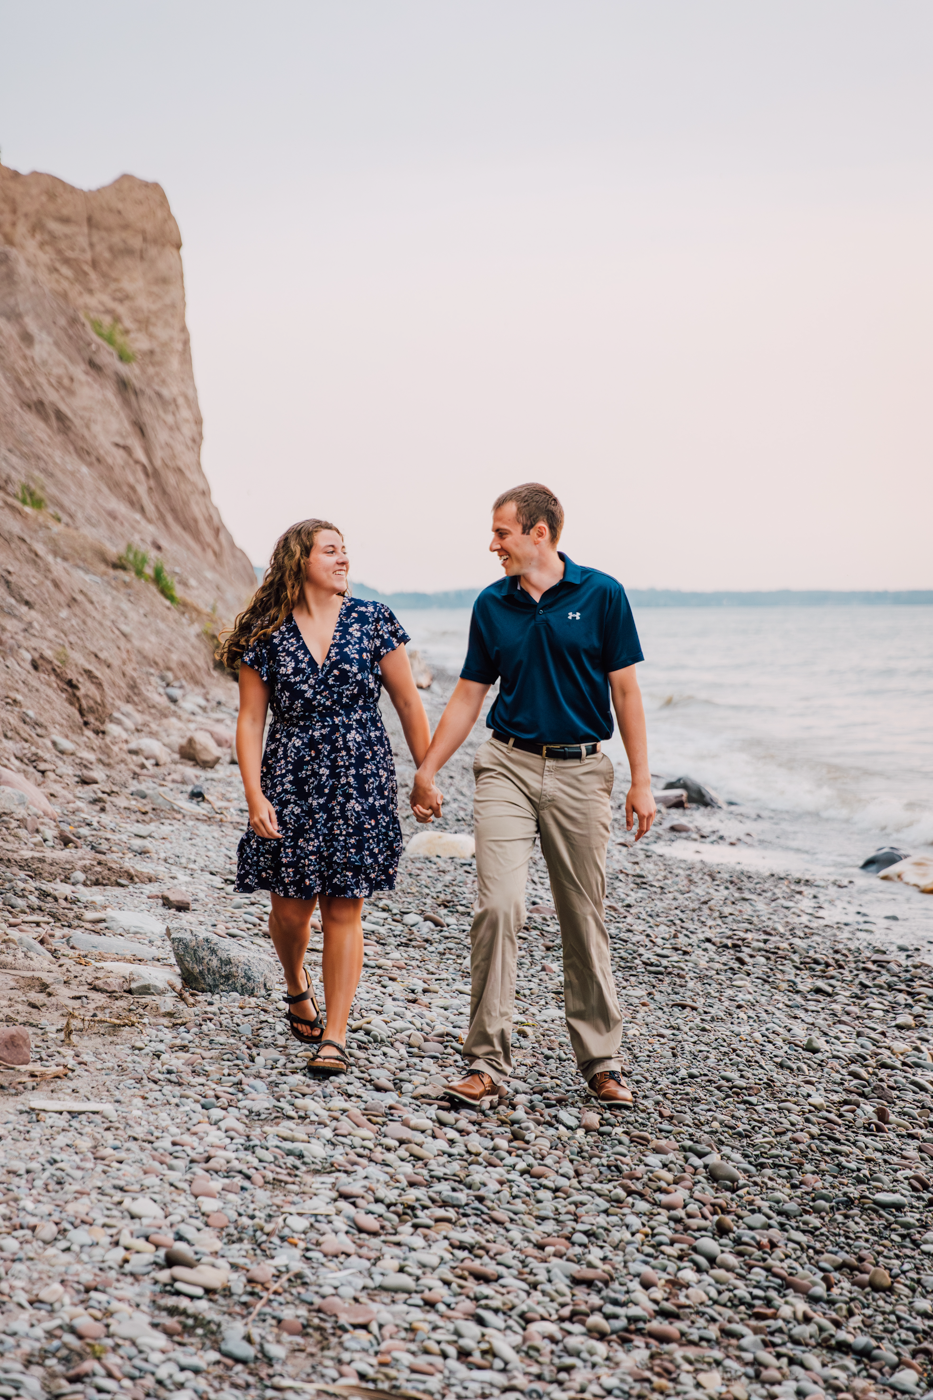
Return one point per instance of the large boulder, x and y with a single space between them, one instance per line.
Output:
915 870
697 794
450 844
200 748
34 796
421 672
883 857
211 964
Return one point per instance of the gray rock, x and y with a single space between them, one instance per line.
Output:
134 921
211 964
29 945
883 857
237 1348
708 1249
116 947
888 1201
723 1171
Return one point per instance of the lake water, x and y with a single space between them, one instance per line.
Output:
817 720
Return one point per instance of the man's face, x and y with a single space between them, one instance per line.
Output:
517 552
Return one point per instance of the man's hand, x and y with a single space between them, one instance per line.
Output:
640 804
426 799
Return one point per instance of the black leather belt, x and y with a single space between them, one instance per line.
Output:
577 751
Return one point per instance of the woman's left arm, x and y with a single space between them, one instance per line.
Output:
400 683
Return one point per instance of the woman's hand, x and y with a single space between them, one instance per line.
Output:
263 820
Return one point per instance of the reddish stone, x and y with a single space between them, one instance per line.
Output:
540 1173
359 1314
589 1121
648 1278
260 1273
162 1241
554 1242
350 1193
291 1326
176 899
591 1276
423 1368
500 1217
15 1048
663 1332
368 1224
801 1285
432 1297
674 1201
90 1330
217 1220
480 1271
200 1186
172 1327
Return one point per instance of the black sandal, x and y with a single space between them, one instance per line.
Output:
330 1065
317 1025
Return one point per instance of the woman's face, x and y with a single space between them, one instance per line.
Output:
328 564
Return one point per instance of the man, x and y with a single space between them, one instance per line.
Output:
561 641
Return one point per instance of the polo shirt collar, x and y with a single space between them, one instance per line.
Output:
572 574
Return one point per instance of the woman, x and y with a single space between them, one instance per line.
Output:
322 798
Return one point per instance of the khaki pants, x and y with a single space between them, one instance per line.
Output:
566 802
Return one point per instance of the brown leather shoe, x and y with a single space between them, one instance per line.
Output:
611 1089
476 1088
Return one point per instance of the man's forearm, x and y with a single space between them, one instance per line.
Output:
630 713
634 734
462 712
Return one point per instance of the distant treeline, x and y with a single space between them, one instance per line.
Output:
673 598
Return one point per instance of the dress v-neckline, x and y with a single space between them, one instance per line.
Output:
319 665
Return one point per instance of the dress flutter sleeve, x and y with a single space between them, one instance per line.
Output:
256 657
388 633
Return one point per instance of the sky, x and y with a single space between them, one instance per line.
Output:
669 257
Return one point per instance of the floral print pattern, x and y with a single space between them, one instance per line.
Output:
327 767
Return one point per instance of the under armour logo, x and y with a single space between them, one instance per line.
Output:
574 616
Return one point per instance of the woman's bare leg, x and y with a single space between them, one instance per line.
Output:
341 920
290 929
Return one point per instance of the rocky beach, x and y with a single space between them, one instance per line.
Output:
187 1212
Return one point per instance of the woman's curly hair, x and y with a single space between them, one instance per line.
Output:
278 593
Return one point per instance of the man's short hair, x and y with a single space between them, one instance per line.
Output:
534 502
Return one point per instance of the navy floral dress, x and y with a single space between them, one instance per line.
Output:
327 767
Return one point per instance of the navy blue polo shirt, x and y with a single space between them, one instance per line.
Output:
552 658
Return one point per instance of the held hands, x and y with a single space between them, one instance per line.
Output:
426 800
640 805
262 818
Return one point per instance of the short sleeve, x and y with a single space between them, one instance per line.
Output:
388 633
621 646
257 657
479 665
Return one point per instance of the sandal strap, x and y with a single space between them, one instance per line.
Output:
302 996
341 1050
